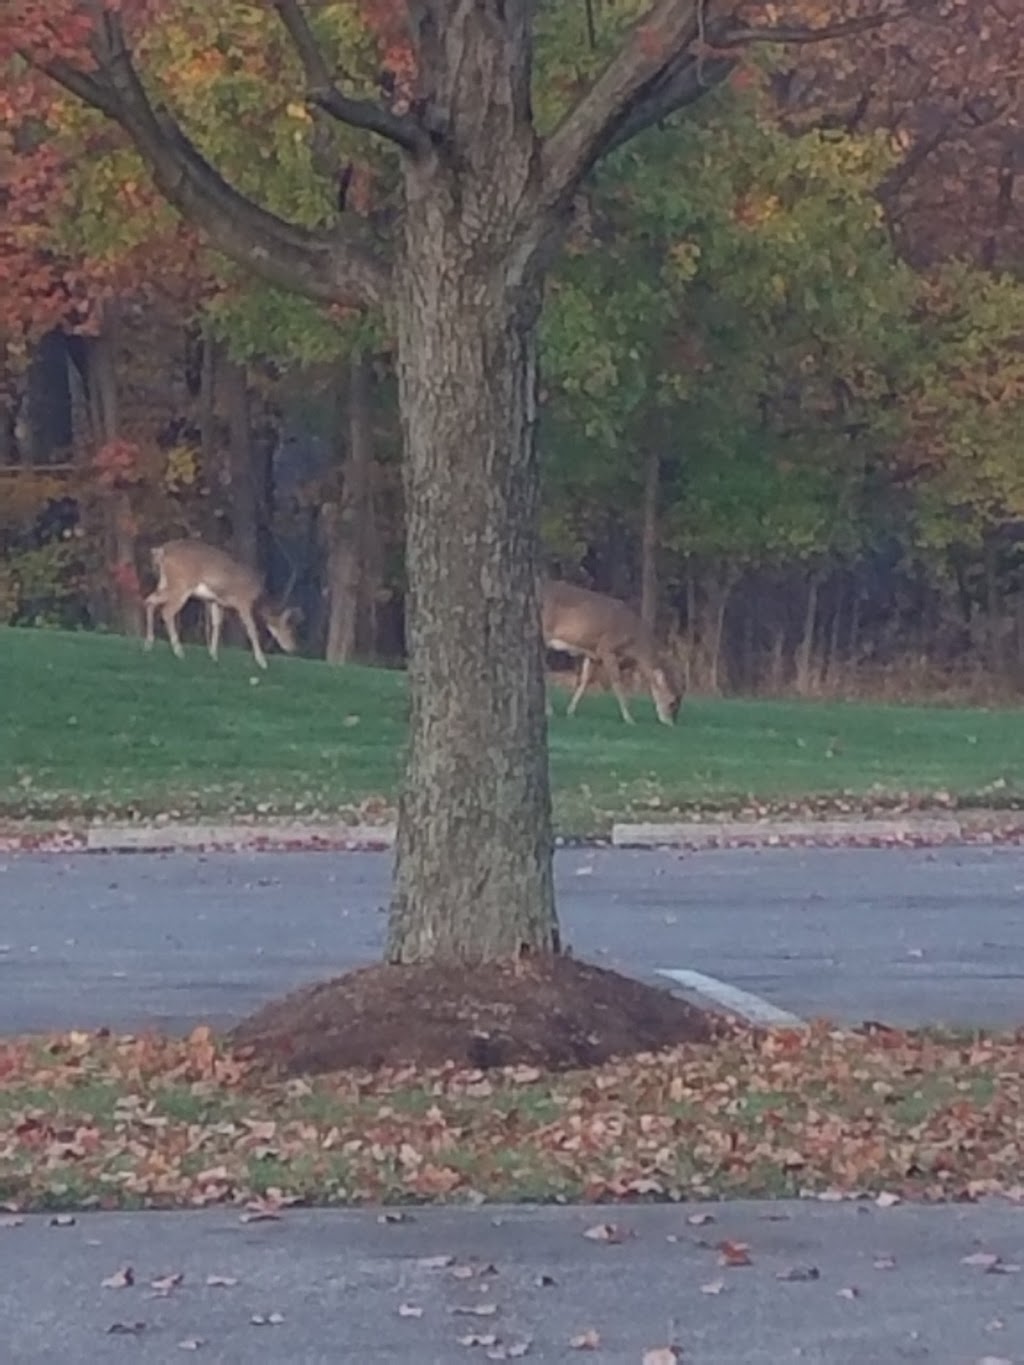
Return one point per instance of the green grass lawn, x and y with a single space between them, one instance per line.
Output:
93 726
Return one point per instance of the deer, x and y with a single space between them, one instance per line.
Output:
191 568
602 630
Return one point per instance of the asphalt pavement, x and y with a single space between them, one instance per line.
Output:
827 1284
906 936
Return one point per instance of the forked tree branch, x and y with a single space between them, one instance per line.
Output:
673 55
326 266
655 56
323 91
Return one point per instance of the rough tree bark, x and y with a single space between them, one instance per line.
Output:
485 204
474 826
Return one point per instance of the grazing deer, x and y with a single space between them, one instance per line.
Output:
602 630
189 568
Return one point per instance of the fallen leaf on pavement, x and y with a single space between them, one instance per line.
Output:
221 1281
885 1262
478 1339
394 1216
888 1200
662 1355
409 1310
849 1292
191 1344
799 1272
125 1329
700 1220
10 1221
163 1284
545 1281
589 1340
733 1254
435 1262
474 1310
121 1279
713 1287
267 1319
62 1220
983 1259
612 1233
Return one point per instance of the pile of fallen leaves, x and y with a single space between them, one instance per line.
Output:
97 1121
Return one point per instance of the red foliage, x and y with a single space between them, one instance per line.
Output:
48 29
41 285
117 463
388 21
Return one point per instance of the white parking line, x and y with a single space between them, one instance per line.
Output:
750 1007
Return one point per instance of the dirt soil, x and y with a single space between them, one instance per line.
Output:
553 1013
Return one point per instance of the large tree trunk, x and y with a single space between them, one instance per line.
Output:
473 876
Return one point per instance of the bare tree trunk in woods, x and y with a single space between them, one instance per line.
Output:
208 400
649 543
805 648
833 663
720 599
346 523
993 610
245 499
119 521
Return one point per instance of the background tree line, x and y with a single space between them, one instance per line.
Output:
782 361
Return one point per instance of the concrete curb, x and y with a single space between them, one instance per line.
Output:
972 827
983 827
200 837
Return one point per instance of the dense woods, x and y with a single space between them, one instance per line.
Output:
781 401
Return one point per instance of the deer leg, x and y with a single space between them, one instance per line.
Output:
170 610
610 664
651 679
583 682
153 601
249 622
215 622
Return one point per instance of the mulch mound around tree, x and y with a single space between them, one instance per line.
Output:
553 1013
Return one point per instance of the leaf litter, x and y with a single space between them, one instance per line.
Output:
99 1121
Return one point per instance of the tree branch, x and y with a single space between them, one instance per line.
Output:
326 266
722 36
655 54
322 90
88 87
672 56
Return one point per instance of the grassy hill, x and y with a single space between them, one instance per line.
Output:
92 725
